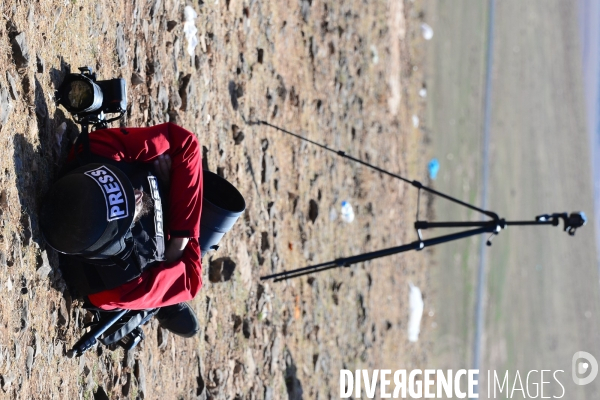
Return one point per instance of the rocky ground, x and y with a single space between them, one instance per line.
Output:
343 73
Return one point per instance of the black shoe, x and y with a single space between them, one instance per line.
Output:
179 319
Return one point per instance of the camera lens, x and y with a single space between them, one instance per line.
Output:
81 95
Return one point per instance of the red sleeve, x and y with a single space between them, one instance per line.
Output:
145 145
162 285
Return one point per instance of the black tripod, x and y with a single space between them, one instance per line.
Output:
494 226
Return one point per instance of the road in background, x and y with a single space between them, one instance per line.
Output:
542 285
589 16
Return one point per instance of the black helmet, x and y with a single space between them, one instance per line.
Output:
89 212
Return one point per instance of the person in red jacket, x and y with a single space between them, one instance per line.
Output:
126 221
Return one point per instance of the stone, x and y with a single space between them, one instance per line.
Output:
140 375
20 50
29 359
163 98
44 267
171 25
175 100
27 233
136 79
12 85
185 91
5 105
7 380
41 65
221 270
121 46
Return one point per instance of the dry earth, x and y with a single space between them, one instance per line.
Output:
343 73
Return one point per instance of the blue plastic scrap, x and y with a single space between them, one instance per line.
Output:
433 167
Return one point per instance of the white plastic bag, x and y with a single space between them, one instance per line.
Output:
416 305
190 30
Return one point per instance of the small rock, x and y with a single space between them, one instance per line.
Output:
136 79
162 336
25 316
44 267
140 375
247 328
41 66
2 259
171 25
27 234
8 380
29 360
12 85
275 353
175 100
185 91
38 345
221 270
238 136
3 199
313 210
20 50
63 312
121 46
163 98
268 393
17 351
58 136
5 106
155 71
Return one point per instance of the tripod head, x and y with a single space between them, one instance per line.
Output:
571 221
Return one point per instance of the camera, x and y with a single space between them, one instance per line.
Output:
89 99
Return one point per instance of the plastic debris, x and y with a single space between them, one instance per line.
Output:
347 212
426 31
415 121
190 30
433 167
423 92
415 306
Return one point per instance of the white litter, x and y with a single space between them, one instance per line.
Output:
415 305
190 30
426 31
415 121
347 213
374 54
423 92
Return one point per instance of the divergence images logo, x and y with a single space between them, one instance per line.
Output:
584 363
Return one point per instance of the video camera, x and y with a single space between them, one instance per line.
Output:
89 99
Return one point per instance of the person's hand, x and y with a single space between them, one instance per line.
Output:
162 168
175 248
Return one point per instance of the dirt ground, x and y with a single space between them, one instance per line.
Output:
343 73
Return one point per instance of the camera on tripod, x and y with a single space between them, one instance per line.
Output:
89 99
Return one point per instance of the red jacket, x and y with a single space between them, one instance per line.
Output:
166 283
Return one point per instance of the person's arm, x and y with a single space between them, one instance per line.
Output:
163 285
146 145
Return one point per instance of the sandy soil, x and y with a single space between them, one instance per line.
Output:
343 73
